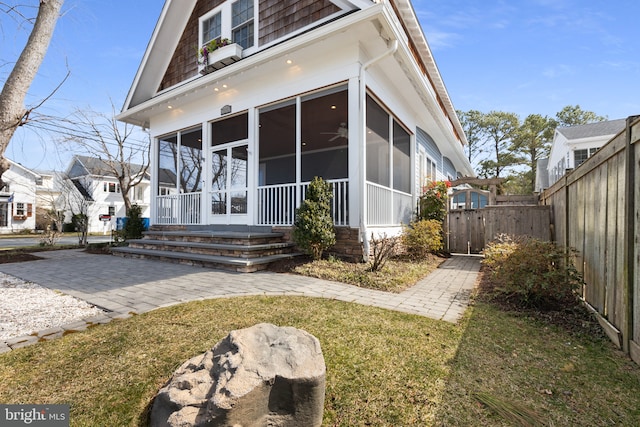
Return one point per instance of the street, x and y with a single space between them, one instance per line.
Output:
20 242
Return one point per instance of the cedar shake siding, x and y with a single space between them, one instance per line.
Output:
184 64
277 18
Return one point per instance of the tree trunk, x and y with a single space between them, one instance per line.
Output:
12 111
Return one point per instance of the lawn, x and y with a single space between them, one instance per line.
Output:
383 368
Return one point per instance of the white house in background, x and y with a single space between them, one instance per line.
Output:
89 181
343 89
573 145
18 199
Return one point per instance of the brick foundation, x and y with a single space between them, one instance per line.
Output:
348 245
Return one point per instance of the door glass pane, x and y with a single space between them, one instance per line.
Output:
239 167
191 161
325 136
238 202
219 203
219 170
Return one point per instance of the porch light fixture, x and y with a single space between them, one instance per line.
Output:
169 107
289 61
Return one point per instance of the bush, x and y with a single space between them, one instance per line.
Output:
313 228
532 273
134 226
382 247
432 204
422 238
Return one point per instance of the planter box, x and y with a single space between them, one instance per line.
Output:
220 58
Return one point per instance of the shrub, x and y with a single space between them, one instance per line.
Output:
383 247
532 272
422 237
134 226
313 228
432 204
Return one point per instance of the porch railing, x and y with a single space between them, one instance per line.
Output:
179 209
277 203
386 206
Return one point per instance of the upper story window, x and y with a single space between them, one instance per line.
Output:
110 187
231 20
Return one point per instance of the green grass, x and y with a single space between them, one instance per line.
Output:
383 368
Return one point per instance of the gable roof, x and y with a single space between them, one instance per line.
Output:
98 167
591 130
143 95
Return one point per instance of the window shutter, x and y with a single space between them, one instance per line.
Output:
29 209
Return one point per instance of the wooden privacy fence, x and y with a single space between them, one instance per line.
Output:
469 230
596 210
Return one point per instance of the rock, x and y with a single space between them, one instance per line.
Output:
264 375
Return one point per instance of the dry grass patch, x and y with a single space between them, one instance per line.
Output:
383 367
397 275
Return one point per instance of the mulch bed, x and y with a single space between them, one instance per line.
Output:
8 257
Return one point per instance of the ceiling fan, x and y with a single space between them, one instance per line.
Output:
341 132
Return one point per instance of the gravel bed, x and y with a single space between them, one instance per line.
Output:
27 307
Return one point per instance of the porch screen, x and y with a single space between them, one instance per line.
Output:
378 154
324 130
191 161
167 164
278 145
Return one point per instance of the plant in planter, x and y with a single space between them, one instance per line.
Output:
213 45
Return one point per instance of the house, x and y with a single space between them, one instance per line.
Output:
90 187
573 145
282 91
18 199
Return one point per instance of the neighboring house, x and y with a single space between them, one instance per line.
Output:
91 187
574 144
18 199
347 90
48 191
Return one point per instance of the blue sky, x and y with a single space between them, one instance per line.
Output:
524 56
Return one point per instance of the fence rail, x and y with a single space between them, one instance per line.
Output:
595 210
179 209
277 203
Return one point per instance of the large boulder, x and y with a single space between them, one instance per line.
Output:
264 375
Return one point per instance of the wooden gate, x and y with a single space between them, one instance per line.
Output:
469 230
465 231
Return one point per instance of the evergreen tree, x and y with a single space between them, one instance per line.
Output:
313 227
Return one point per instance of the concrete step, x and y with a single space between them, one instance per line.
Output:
219 237
238 264
220 249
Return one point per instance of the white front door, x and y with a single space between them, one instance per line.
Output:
229 181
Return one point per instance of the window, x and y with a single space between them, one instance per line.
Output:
112 211
212 28
231 20
4 214
580 156
111 187
242 23
592 151
20 209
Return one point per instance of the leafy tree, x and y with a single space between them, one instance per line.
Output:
500 129
572 115
313 228
532 142
432 204
471 122
13 113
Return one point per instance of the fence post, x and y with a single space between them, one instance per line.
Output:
629 247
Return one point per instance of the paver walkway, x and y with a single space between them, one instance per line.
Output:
126 285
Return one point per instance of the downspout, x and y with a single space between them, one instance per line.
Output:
363 132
